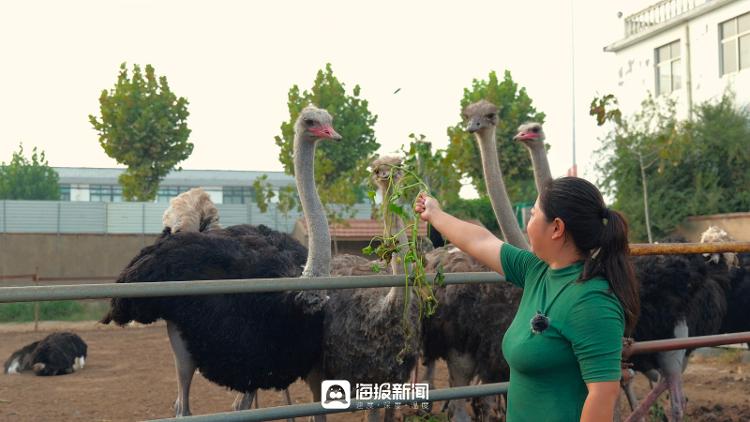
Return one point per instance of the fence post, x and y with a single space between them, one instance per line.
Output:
36 304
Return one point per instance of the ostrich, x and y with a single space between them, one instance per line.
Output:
347 264
57 354
366 339
738 299
468 327
483 117
532 137
681 296
241 341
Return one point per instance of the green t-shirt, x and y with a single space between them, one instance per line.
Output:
549 370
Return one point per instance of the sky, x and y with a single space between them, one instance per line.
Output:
236 60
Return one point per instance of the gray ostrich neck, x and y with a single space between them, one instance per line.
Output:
493 178
394 227
539 162
319 247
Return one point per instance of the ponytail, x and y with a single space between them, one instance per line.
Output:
600 234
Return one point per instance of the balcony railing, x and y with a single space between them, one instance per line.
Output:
658 13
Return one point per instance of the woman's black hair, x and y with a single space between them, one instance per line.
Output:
599 233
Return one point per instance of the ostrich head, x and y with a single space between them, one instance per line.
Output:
480 116
381 170
191 211
530 134
715 234
314 123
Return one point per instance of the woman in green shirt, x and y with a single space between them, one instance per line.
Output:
580 297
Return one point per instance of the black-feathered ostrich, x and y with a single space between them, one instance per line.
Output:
242 341
468 327
57 354
738 299
681 296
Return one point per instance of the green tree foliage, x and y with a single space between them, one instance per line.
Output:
340 167
25 178
475 209
691 167
434 168
263 192
515 108
144 126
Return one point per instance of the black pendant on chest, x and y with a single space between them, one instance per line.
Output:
539 323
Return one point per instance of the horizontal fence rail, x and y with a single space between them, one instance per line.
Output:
311 409
209 287
643 347
687 248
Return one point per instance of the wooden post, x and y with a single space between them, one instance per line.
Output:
36 304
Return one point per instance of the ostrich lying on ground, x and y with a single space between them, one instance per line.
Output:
366 339
468 327
241 341
681 296
56 354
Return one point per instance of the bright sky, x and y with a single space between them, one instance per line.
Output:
236 60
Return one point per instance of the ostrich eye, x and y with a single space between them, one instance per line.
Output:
309 122
490 116
535 129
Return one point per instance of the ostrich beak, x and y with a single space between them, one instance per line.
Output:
473 126
326 132
526 136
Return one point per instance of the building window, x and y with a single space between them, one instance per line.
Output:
237 194
735 44
165 193
65 192
105 193
668 68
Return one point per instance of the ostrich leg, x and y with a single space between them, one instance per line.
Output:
243 401
460 372
314 381
671 363
185 369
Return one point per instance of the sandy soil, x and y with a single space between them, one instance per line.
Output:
129 375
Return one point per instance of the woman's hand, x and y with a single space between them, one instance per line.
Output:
426 206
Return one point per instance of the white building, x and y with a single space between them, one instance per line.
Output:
224 186
690 50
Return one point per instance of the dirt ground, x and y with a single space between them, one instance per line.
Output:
129 375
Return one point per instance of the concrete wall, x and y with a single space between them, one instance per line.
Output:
69 255
736 224
636 67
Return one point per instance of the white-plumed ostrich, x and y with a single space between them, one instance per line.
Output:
241 341
57 354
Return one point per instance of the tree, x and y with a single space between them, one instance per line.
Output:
656 166
515 108
434 168
340 167
144 126
263 192
28 179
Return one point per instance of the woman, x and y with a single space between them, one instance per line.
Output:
580 297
